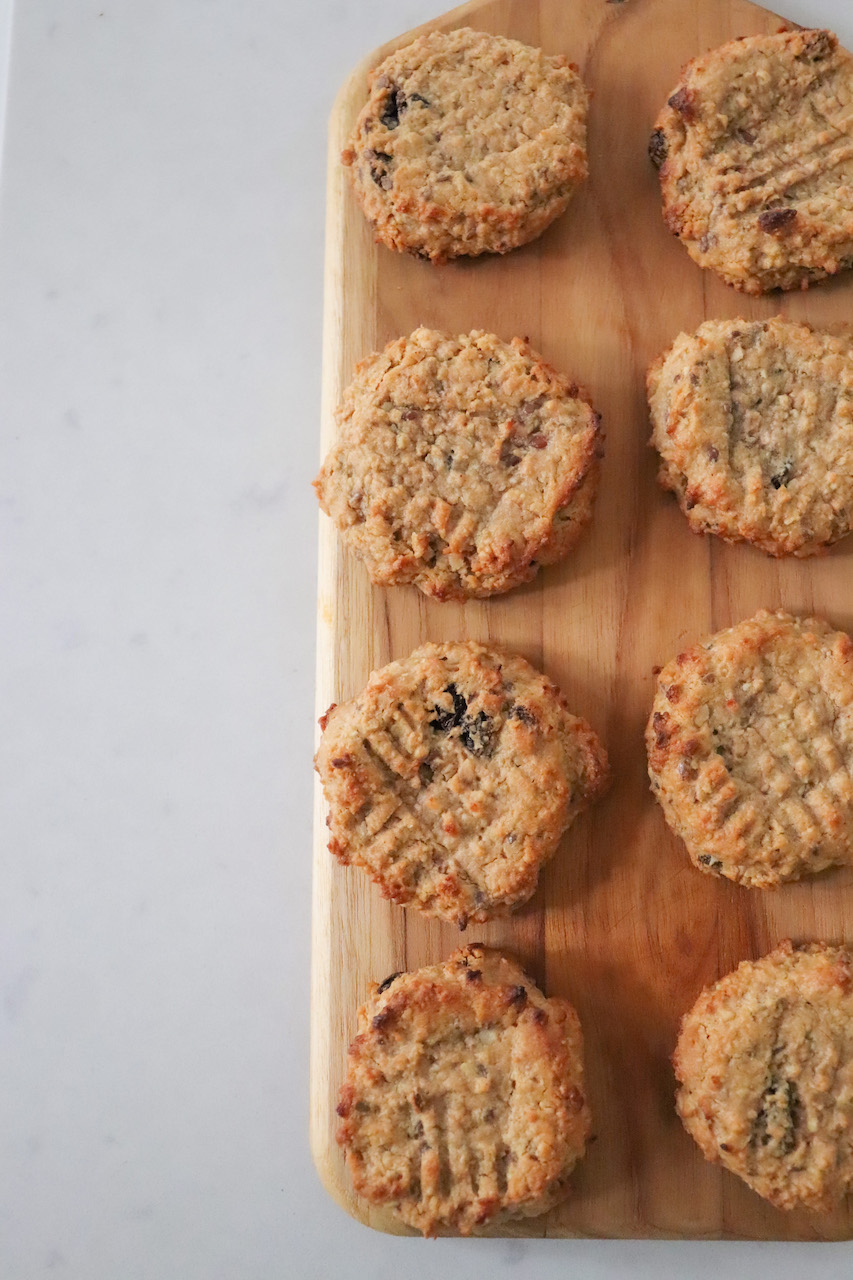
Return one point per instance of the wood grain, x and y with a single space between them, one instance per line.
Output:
621 924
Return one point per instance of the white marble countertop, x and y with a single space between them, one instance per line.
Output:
161 239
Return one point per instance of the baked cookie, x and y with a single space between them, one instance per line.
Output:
468 143
464 1097
751 749
765 1064
451 778
462 464
753 421
755 151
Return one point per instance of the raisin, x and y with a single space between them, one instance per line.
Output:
379 161
446 720
529 407
518 995
682 102
539 441
392 977
783 476
476 732
473 975
381 1019
518 712
507 457
657 148
395 102
713 452
773 220
780 1109
708 861
820 45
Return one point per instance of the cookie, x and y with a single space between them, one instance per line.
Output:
468 143
753 421
755 151
464 1102
451 778
750 748
765 1064
462 464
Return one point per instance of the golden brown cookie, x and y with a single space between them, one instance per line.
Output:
451 778
755 152
753 421
765 1064
468 143
750 748
464 1102
462 464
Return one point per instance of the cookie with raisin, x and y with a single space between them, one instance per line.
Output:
462 464
764 1062
464 1104
452 776
468 143
750 747
755 153
753 421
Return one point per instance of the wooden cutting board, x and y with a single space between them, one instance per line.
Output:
622 924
